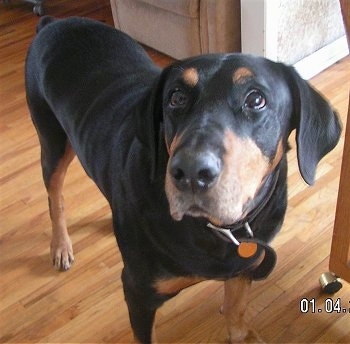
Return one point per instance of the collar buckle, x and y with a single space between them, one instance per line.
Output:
228 232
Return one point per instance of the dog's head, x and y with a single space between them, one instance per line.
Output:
226 120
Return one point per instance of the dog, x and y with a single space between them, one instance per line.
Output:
192 158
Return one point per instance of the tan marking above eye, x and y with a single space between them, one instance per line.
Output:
241 74
190 76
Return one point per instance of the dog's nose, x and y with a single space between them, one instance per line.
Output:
195 171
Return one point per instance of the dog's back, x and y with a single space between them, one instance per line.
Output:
80 55
77 66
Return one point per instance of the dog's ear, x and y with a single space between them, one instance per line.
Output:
317 126
155 107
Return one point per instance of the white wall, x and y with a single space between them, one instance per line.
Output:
308 34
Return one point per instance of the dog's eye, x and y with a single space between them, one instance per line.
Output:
255 100
178 99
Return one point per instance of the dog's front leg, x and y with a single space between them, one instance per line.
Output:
61 250
142 304
234 307
142 323
61 246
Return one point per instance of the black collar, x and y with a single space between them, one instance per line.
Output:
262 200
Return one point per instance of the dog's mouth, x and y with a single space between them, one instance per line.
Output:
183 208
211 211
196 211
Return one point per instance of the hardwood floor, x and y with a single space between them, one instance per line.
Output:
86 305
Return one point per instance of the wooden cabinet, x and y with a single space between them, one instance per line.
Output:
339 262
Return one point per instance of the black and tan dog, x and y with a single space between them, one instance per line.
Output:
201 143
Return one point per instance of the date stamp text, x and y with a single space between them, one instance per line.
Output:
329 306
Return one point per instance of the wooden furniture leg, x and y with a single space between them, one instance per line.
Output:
339 262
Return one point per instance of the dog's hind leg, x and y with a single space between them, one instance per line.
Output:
56 155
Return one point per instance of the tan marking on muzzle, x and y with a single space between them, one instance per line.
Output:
241 74
245 167
278 156
245 160
170 188
171 147
190 76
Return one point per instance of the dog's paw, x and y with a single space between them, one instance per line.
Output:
61 251
244 336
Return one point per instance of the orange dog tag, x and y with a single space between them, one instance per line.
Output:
247 249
